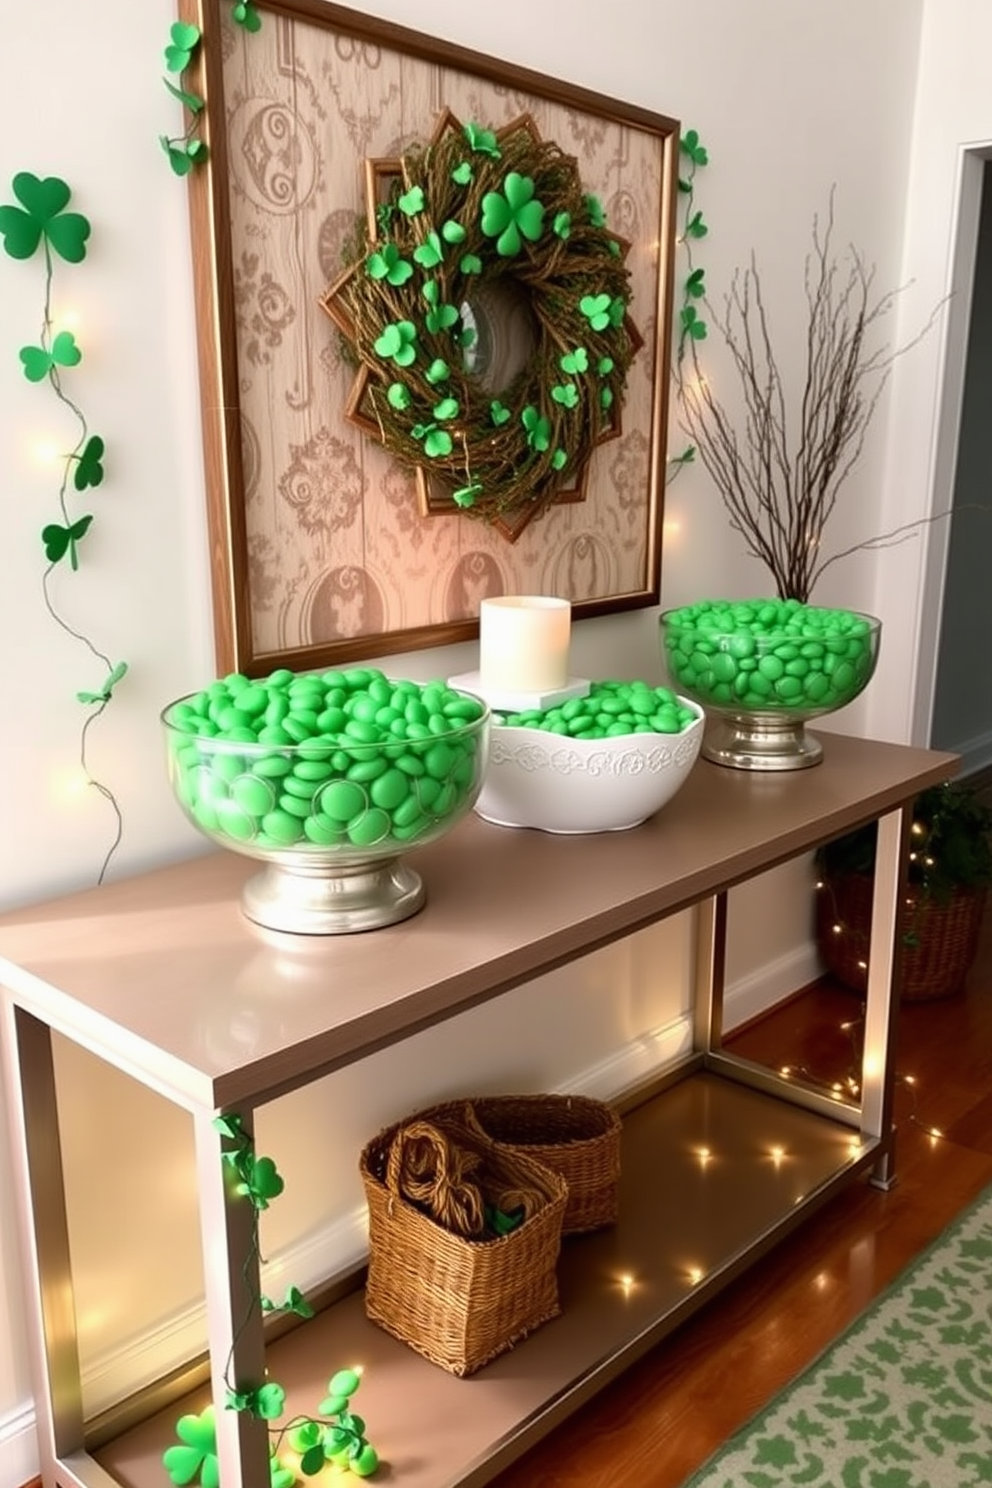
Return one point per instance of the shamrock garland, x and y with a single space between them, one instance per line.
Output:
473 208
691 325
189 149
41 221
336 1434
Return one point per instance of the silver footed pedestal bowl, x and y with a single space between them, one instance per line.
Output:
327 781
762 668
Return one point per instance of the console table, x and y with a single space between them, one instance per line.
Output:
138 971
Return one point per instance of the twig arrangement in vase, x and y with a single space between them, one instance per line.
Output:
780 469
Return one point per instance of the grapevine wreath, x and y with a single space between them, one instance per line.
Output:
473 208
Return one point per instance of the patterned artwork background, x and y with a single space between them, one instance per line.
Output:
337 546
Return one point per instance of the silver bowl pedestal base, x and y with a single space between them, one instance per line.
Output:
760 741
341 900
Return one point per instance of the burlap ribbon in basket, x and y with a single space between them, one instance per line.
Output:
447 1178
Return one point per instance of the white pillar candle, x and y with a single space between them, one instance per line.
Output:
523 642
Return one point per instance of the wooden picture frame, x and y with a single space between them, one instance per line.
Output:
323 549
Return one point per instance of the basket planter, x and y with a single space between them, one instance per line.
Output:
457 1298
575 1136
939 942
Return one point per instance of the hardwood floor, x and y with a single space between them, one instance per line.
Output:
667 1414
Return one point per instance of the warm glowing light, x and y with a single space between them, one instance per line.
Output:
820 884
696 1274
863 965
785 1071
70 785
705 1155
909 1079
777 1155
70 320
822 1281
935 1134
672 527
627 1283
838 929
917 829
870 1068
46 452
855 1147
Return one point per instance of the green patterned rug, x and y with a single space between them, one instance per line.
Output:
903 1399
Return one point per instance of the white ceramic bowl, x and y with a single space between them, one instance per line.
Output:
535 778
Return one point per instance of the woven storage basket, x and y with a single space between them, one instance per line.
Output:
576 1136
458 1301
934 964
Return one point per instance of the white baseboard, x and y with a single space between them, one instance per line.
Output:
141 1360
18 1447
976 754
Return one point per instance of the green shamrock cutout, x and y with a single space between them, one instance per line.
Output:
538 429
412 201
398 341
442 318
398 396
437 442
244 14
606 397
567 394
387 264
429 253
192 101
195 1459
430 292
106 691
452 231
308 1440
499 413
596 309
183 41
482 141
465 495
38 362
260 1180
462 174
575 361
605 366
695 285
184 154
446 409
559 459
61 540
270 1399
691 324
689 144
89 466
595 209
696 227
438 371
512 214
41 215
563 225
617 312
471 264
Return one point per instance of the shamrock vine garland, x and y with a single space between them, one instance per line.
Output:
691 325
472 209
40 220
336 1434
189 149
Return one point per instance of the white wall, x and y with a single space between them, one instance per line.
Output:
789 99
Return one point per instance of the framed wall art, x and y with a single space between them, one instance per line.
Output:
433 294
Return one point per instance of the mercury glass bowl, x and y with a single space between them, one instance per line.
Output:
762 668
328 816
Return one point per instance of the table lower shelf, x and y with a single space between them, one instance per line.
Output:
713 1174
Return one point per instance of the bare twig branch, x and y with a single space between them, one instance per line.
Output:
780 471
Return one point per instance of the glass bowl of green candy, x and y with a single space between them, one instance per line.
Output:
327 778
599 763
762 668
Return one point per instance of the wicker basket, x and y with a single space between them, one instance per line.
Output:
457 1298
936 957
576 1136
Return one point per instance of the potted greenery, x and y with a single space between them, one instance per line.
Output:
950 870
